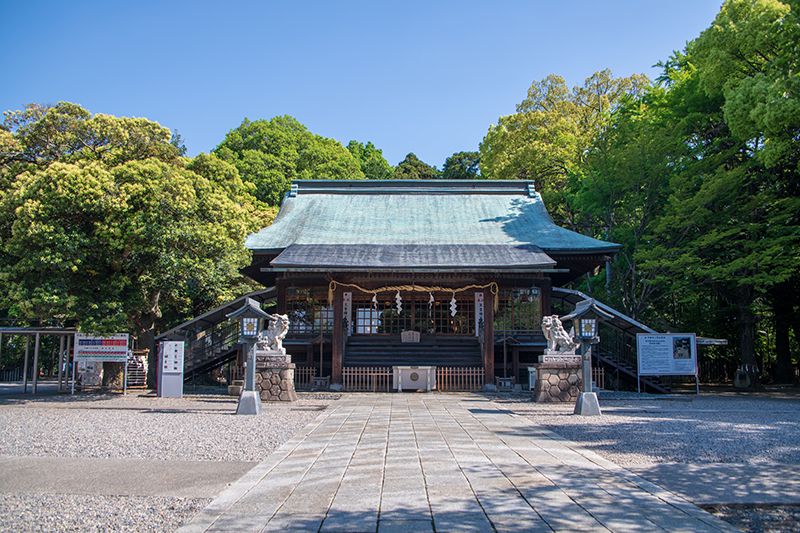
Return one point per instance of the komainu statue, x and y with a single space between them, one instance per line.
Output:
557 337
272 338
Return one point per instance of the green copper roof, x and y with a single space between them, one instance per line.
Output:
418 212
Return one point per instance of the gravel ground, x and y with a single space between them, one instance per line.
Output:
692 429
136 426
193 428
46 513
637 430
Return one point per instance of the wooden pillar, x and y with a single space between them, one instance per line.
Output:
70 362
488 339
515 361
546 310
25 366
338 337
1 350
35 363
280 303
52 355
61 358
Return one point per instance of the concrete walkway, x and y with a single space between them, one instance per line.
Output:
118 477
435 462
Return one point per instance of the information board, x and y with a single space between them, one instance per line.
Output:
668 354
112 349
171 355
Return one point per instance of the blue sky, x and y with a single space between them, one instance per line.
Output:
427 77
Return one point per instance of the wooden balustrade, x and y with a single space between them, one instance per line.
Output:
367 378
304 377
599 377
459 379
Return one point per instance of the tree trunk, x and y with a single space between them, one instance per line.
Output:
113 375
782 308
747 335
145 335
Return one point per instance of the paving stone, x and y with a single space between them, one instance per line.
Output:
405 526
402 462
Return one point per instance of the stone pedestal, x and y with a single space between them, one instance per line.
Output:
557 382
587 405
275 381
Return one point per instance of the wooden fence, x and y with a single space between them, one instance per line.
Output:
599 377
367 378
304 377
459 379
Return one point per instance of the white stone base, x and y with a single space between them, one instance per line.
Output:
249 403
587 405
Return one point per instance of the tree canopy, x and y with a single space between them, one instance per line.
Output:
373 165
411 168
271 153
547 138
103 221
462 166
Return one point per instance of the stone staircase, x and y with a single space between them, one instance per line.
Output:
430 351
212 340
617 349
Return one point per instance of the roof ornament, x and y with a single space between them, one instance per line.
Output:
531 189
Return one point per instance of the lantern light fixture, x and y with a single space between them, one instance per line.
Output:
250 316
588 328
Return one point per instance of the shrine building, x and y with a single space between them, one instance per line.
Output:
463 269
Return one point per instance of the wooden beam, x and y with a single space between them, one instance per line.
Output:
488 338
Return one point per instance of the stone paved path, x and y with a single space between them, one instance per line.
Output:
437 462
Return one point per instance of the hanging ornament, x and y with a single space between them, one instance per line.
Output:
453 306
375 301
430 303
399 300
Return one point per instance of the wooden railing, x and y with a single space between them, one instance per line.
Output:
304 377
463 379
367 378
599 377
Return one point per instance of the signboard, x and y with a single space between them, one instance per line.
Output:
170 376
669 354
171 353
347 310
479 312
112 349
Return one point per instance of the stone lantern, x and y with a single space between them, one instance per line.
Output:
250 316
585 319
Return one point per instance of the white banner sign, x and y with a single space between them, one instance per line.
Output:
478 312
669 354
112 349
347 310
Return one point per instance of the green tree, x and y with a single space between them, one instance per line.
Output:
621 195
547 138
270 154
411 168
104 222
373 165
732 223
462 166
